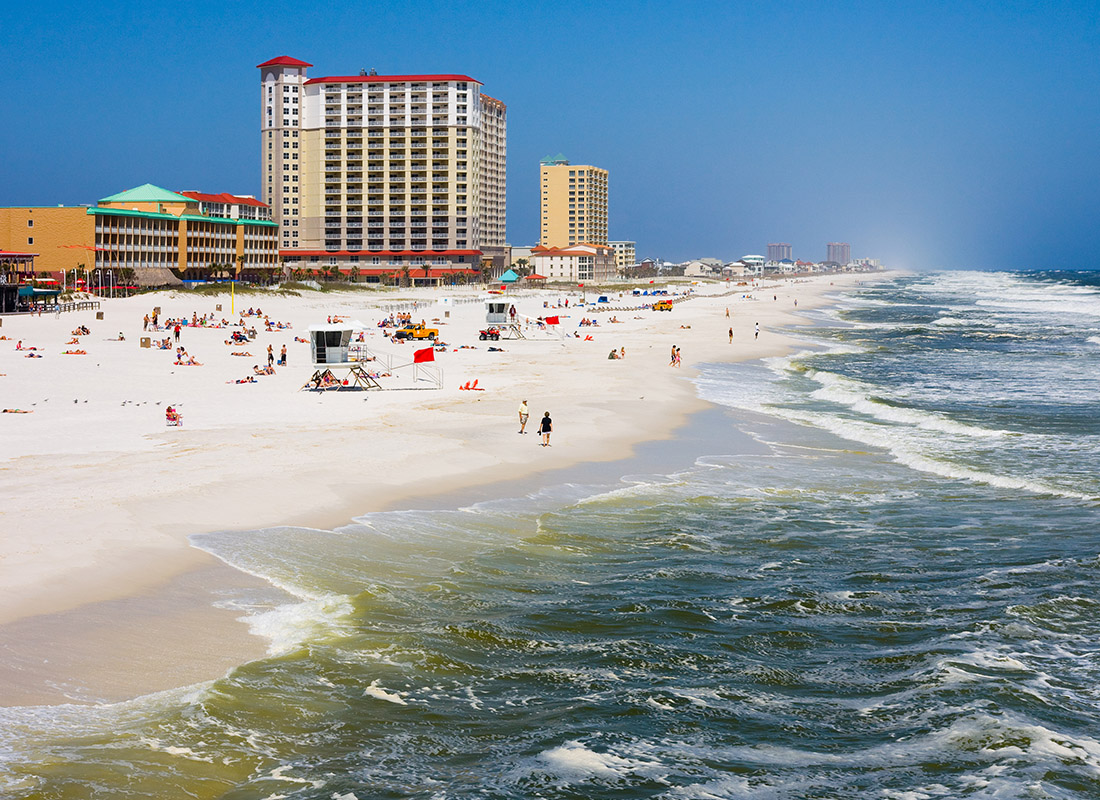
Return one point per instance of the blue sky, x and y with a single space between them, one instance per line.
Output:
947 134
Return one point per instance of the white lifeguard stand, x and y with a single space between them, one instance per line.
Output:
336 359
496 315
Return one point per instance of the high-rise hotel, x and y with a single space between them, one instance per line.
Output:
573 203
381 172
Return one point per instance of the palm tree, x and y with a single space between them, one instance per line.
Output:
405 279
522 267
355 274
427 271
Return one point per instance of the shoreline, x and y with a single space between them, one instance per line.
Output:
437 447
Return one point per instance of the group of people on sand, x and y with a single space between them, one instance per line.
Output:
183 359
617 354
586 322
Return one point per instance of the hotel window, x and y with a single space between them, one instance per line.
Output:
30 240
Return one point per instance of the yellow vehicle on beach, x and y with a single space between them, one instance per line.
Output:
417 331
662 305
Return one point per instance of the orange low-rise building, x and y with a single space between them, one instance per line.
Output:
150 234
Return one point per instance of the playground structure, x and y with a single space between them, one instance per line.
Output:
342 360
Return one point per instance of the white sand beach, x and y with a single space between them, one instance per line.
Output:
101 496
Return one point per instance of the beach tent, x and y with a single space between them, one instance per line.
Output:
509 277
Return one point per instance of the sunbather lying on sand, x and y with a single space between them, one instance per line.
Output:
17 411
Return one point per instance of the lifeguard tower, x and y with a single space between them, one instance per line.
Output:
497 315
337 360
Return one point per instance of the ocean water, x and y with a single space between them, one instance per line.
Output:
884 586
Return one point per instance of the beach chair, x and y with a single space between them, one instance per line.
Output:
173 419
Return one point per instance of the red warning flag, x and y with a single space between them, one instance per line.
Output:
553 321
421 356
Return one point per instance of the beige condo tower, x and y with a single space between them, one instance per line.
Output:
379 173
574 203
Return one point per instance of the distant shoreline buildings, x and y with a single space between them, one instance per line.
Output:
779 251
838 253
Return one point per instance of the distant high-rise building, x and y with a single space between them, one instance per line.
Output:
779 251
625 254
574 203
381 171
839 252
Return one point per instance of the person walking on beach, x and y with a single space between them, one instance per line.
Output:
176 331
145 323
523 414
270 356
672 357
757 334
282 357
676 358
727 312
731 335
545 427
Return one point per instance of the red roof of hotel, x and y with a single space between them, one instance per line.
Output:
380 253
224 197
433 272
284 61
392 79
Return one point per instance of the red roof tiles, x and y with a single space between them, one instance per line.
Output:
224 197
284 61
392 79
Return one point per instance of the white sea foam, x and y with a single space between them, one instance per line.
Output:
573 762
904 452
287 626
279 774
858 397
176 750
378 693
1094 339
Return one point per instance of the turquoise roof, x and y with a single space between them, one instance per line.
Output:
125 212
510 276
147 193
555 161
